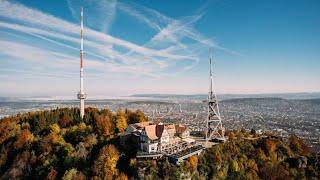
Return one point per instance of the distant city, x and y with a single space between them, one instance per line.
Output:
283 114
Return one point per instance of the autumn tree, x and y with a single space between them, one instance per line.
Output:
24 138
298 146
41 145
8 128
103 125
121 121
90 140
73 174
231 135
136 117
122 176
65 120
270 146
105 165
234 165
193 160
52 175
21 166
81 151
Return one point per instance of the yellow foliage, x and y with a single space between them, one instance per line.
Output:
69 147
261 154
55 128
141 116
70 174
235 166
251 175
59 140
46 163
90 140
82 127
252 165
105 165
121 121
73 174
133 162
222 173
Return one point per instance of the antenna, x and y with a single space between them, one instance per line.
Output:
211 77
81 95
214 128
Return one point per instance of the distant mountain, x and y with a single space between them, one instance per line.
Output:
313 101
244 100
232 96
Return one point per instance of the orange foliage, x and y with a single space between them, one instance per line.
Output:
65 120
103 125
25 137
80 176
122 176
298 146
252 165
193 160
231 135
52 175
7 128
4 156
270 146
268 133
46 145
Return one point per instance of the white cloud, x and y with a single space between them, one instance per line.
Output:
104 10
156 58
48 22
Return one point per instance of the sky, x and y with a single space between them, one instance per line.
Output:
159 46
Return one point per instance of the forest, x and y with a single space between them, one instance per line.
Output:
57 144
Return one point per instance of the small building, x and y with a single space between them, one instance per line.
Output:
148 139
156 139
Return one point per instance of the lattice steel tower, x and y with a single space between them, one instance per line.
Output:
214 128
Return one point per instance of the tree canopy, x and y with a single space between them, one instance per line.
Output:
57 144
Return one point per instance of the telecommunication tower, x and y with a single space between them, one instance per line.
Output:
81 95
214 128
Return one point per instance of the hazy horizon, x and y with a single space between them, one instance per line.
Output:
298 95
137 47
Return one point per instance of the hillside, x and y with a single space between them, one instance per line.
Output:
57 145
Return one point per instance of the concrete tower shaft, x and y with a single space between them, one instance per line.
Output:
81 95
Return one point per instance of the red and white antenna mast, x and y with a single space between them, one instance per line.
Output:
81 95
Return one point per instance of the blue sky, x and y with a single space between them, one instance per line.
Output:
153 46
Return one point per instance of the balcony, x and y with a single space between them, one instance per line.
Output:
82 96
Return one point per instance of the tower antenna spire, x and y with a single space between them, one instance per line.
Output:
81 95
214 128
211 77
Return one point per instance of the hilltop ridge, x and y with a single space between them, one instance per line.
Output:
57 144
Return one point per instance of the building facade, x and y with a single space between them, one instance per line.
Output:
161 138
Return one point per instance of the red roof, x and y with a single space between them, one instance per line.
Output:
151 132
